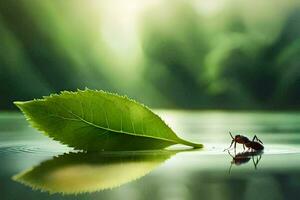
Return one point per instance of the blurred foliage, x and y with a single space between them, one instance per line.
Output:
227 54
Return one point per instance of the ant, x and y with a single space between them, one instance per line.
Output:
244 157
251 145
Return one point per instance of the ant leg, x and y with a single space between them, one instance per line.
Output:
256 138
259 159
244 146
234 147
254 163
230 154
229 146
230 168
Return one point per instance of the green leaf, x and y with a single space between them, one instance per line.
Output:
89 172
96 120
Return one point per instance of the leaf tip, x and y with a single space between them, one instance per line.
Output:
191 144
198 146
18 103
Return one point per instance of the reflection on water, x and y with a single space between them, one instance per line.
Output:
89 172
244 157
201 174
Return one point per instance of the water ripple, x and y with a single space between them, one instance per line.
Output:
27 147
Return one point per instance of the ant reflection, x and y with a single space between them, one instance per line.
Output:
244 157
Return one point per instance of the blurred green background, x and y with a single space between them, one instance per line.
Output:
197 54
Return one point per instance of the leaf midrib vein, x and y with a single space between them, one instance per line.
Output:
111 130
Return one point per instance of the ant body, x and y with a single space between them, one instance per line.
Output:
244 157
251 145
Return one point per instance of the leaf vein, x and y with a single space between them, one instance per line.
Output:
112 130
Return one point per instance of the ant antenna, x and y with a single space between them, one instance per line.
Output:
229 171
231 135
229 146
230 154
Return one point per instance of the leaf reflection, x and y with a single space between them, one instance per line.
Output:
89 172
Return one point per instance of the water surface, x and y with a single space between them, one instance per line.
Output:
36 167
